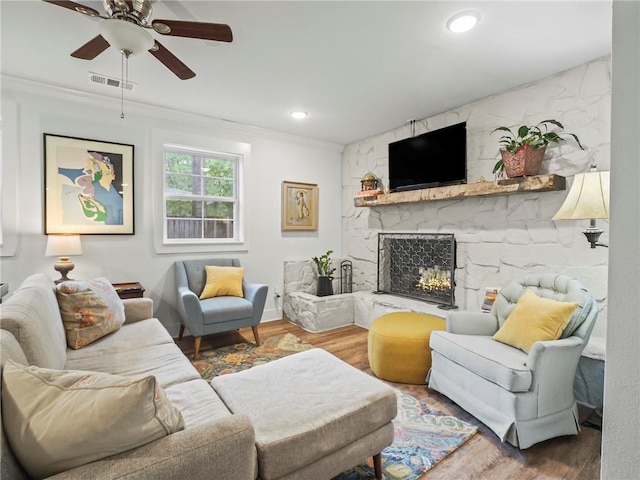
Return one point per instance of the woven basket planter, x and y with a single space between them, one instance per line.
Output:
526 161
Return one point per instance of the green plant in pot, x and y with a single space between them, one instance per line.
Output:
325 274
522 152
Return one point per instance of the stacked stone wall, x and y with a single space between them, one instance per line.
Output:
498 238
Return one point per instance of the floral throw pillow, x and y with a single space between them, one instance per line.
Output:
90 310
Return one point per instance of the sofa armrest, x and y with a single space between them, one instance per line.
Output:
136 309
221 449
472 323
553 385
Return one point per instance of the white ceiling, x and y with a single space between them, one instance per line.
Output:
359 68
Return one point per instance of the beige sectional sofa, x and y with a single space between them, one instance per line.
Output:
218 441
32 333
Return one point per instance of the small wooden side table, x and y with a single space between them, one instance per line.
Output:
129 289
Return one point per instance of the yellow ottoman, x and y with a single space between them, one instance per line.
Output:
398 346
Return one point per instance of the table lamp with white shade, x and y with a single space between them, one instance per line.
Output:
587 199
63 246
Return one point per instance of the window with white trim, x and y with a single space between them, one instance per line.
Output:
201 196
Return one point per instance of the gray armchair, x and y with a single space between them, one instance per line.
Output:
218 314
524 398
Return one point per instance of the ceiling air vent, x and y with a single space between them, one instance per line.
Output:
110 81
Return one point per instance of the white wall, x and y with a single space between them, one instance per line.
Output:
498 238
620 437
274 157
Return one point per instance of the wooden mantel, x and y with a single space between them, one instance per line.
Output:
536 183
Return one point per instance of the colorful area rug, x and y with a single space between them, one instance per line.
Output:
242 356
422 438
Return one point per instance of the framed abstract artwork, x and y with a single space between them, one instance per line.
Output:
299 206
88 186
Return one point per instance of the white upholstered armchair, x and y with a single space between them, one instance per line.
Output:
524 398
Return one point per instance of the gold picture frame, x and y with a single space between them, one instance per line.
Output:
299 206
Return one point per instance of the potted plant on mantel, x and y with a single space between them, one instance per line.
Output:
325 272
522 153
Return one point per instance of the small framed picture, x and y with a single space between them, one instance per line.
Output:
299 206
88 186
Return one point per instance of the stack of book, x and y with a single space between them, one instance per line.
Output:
489 298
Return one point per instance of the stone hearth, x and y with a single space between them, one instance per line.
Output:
317 314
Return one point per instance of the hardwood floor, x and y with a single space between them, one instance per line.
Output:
483 456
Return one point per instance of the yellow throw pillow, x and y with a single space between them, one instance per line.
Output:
534 319
223 281
57 420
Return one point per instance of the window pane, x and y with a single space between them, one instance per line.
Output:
219 187
180 228
178 162
218 228
217 167
184 208
181 184
219 210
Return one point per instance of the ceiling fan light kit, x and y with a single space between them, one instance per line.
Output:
126 37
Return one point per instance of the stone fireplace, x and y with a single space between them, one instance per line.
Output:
418 265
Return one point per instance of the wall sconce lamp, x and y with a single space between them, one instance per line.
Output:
63 246
587 199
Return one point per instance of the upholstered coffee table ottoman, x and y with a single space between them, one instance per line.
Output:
314 415
398 346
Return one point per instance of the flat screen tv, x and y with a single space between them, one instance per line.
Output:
433 159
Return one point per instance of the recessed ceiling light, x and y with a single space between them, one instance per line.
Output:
299 114
463 22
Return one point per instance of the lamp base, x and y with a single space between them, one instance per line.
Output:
593 235
64 266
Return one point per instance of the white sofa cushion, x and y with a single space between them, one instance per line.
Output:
33 317
57 420
198 402
166 362
131 336
501 364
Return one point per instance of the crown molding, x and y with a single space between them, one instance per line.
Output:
56 92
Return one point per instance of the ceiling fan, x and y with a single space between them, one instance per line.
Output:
126 25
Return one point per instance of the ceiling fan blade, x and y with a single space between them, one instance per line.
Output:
172 62
218 32
91 49
76 7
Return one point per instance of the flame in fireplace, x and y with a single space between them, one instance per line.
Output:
434 279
